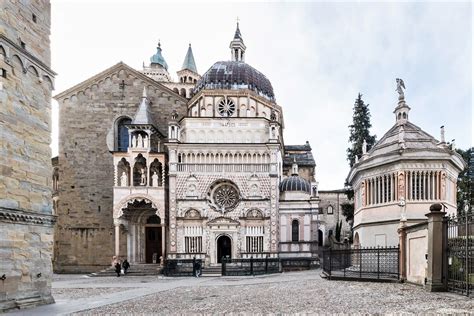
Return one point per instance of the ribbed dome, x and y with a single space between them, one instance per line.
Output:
295 183
235 75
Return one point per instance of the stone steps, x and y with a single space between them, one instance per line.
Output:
212 271
28 302
137 269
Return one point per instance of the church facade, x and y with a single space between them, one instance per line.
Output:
150 168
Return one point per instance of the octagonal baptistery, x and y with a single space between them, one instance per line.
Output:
225 160
405 172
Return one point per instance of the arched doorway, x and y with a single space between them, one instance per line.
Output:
153 240
224 248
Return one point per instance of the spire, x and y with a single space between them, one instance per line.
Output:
143 116
158 57
237 46
237 34
189 62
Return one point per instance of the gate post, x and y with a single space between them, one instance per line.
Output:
402 235
436 252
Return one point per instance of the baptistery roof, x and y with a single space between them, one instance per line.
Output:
235 75
295 183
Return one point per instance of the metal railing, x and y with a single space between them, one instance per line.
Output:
460 253
181 267
250 266
378 263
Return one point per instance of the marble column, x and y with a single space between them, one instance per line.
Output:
117 239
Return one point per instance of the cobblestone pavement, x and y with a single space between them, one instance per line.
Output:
78 293
296 292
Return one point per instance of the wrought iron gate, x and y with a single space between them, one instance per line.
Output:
460 254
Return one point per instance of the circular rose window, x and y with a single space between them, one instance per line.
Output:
226 107
223 196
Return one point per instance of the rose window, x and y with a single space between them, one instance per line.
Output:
226 196
226 107
223 196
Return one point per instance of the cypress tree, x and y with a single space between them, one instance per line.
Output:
359 130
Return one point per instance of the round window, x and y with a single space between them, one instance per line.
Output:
226 107
223 196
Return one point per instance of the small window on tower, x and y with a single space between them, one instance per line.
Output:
34 17
3 72
330 209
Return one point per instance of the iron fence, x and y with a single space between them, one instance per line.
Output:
250 266
460 253
379 263
181 267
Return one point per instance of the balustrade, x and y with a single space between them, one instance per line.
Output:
184 167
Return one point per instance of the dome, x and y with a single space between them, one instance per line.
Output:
158 58
295 183
235 75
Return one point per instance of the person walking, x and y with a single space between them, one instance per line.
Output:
125 266
118 267
197 269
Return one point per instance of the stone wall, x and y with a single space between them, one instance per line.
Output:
334 198
88 115
26 223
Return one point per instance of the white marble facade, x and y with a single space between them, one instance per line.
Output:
211 187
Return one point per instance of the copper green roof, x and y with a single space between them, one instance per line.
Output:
158 58
189 62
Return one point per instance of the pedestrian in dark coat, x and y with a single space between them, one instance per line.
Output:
125 266
118 268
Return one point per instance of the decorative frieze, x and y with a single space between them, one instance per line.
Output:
27 218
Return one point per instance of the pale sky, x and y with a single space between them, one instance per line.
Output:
318 56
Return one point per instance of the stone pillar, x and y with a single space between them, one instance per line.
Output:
402 235
117 239
163 245
435 249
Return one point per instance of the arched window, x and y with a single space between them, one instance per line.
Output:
122 134
330 209
295 230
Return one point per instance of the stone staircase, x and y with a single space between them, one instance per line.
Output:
136 269
212 271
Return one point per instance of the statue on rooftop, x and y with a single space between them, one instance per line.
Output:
400 85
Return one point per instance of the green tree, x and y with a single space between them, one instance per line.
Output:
465 185
359 130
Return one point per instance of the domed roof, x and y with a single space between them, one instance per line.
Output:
235 75
295 183
158 58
